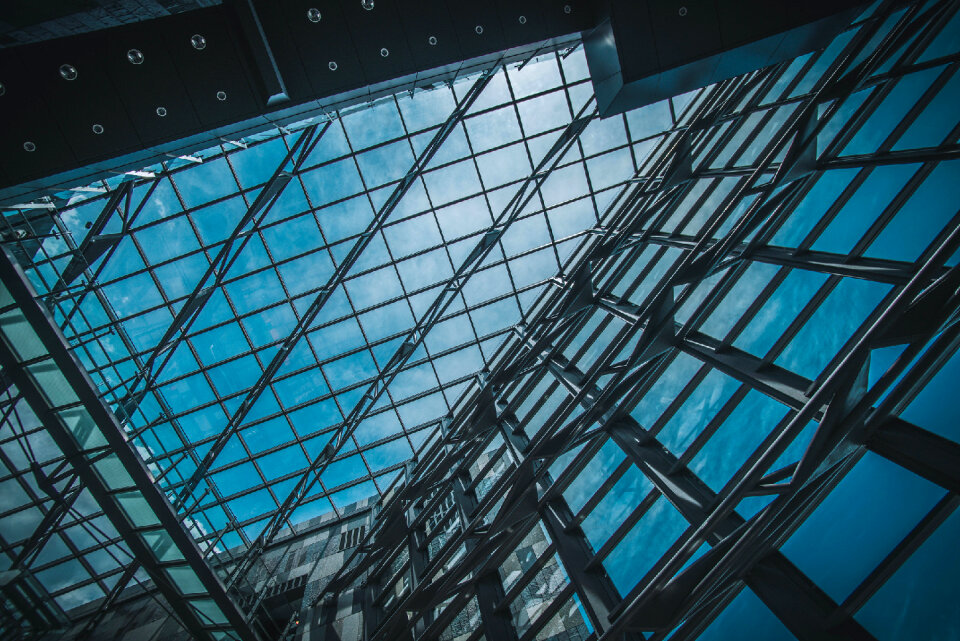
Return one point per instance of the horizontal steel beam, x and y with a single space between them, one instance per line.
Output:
924 453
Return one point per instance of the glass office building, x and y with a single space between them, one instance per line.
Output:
472 362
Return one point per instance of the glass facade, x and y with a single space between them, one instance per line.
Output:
678 373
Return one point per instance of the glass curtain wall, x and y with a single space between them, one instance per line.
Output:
681 371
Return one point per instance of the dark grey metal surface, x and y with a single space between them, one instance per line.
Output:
261 63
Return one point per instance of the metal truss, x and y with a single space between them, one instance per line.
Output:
497 484
326 291
412 590
27 607
416 336
150 364
35 356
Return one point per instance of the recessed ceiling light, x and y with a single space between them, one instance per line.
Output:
68 72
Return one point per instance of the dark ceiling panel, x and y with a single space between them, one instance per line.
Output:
429 32
218 89
88 109
635 50
743 21
375 33
522 21
477 27
323 44
568 16
153 84
809 10
213 69
26 119
684 32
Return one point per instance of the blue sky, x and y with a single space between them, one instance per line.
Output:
347 178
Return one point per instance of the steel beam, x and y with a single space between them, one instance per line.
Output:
591 583
804 608
212 278
35 355
337 278
429 318
924 453
774 381
879 270
899 555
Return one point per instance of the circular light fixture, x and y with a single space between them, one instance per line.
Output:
313 15
522 19
567 8
432 41
367 4
3 89
29 146
332 66
384 52
161 111
478 29
221 95
97 129
68 72
682 11
135 56
198 42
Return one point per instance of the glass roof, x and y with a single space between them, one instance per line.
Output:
338 239
336 287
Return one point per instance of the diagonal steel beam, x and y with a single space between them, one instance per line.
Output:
800 496
931 456
36 356
805 609
774 579
194 304
795 392
594 587
899 555
430 317
94 244
694 500
443 454
337 278
215 273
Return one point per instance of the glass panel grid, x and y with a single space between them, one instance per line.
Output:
813 260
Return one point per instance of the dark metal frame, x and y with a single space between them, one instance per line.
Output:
638 337
922 307
84 462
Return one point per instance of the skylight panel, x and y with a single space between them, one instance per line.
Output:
288 257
